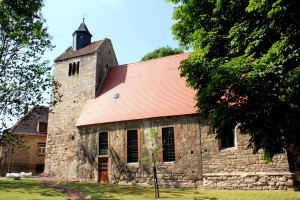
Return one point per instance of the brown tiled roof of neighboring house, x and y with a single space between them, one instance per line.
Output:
28 124
141 90
70 53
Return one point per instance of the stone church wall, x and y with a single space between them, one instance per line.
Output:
106 58
184 172
199 161
238 168
62 137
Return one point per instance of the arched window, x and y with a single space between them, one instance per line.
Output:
70 69
77 68
74 68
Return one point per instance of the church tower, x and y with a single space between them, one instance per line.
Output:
80 70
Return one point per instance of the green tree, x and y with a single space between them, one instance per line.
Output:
245 67
161 52
155 149
24 76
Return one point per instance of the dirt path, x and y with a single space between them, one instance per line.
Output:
70 193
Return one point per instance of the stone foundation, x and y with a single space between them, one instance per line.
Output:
249 181
165 179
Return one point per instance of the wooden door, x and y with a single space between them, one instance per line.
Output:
103 170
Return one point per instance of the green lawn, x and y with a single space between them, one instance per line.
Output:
117 192
26 189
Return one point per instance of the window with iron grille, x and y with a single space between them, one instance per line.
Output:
132 146
168 144
103 143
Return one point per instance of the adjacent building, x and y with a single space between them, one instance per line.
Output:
29 155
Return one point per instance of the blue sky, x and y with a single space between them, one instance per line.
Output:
135 27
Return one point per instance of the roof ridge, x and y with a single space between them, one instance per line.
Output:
100 42
154 59
56 59
80 52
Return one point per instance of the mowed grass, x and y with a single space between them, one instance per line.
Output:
119 192
33 190
26 189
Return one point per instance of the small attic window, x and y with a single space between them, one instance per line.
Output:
117 95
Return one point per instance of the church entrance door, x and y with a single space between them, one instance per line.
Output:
103 170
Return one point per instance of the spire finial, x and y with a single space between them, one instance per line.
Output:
83 17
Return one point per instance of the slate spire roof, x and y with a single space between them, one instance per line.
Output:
141 90
83 28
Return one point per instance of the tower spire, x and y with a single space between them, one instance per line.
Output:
81 37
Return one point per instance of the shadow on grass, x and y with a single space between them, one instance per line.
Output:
117 192
106 191
27 186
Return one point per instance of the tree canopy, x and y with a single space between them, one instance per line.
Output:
245 67
161 52
24 76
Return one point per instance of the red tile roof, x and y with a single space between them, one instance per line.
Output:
147 89
70 53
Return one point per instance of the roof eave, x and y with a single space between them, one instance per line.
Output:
64 59
99 123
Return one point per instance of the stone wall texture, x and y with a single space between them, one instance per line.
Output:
62 141
294 164
238 168
200 163
185 171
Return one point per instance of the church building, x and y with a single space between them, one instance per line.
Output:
101 130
